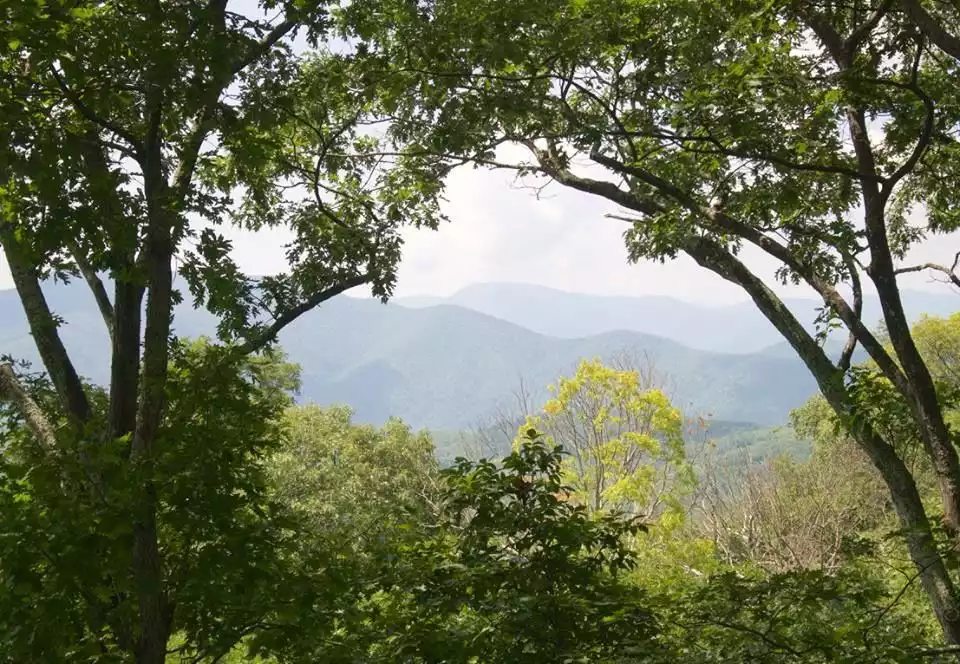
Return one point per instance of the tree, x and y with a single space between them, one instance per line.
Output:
134 133
511 571
67 516
356 497
809 134
785 515
355 485
516 573
625 442
939 342
805 617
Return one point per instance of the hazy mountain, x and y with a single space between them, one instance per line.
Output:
445 366
738 328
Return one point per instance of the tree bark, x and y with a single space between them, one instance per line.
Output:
922 394
926 405
125 358
12 391
147 564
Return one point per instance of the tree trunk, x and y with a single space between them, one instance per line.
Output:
43 328
155 621
926 406
921 545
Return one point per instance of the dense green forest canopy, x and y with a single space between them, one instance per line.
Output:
183 510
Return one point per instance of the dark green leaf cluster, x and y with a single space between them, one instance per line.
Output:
68 517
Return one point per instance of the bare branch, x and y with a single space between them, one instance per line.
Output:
646 177
936 267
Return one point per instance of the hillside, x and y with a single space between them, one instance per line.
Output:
737 328
447 366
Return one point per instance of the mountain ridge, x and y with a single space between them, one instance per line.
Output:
736 328
445 366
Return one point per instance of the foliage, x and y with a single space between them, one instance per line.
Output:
719 126
135 134
518 573
212 505
803 617
142 510
625 442
353 485
938 340
511 571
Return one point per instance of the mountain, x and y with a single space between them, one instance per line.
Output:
445 366
737 328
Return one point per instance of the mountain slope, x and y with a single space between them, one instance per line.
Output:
446 366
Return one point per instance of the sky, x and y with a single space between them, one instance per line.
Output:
503 230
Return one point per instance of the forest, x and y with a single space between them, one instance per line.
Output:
179 505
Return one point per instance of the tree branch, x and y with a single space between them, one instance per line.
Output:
931 27
949 271
124 318
96 286
13 392
826 33
926 132
202 125
92 116
608 190
43 327
270 334
719 219
852 42
269 41
847 355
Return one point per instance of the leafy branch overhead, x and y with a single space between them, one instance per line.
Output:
211 116
180 511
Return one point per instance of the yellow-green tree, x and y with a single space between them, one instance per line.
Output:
625 443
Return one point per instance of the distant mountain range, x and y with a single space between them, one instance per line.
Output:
737 328
447 367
